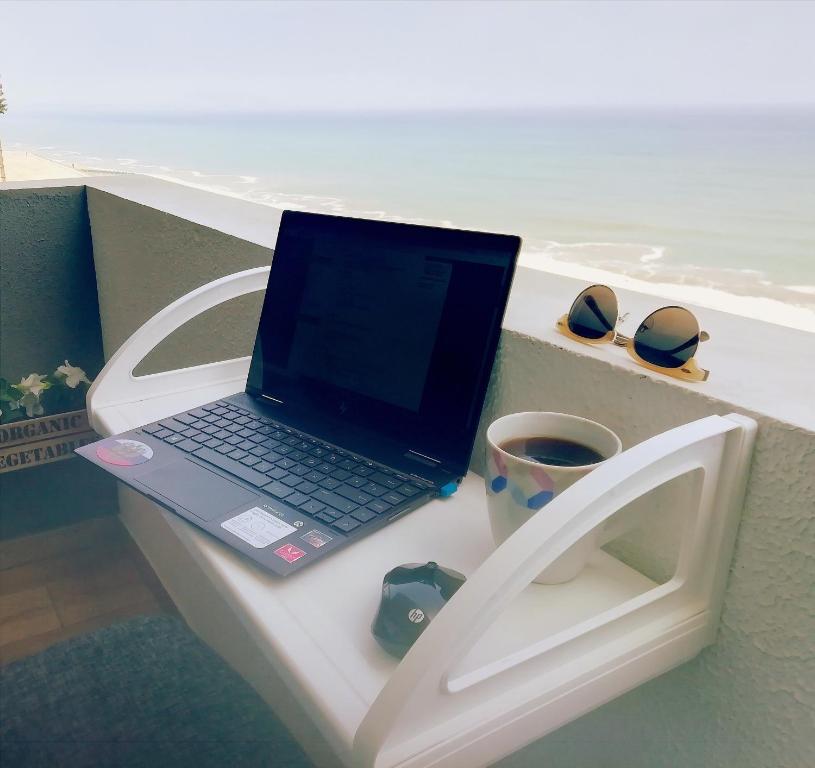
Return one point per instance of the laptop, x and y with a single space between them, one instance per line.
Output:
370 367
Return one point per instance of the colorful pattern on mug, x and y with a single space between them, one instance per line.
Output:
499 481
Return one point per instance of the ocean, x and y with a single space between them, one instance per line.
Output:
718 200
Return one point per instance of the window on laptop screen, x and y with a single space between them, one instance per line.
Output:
389 327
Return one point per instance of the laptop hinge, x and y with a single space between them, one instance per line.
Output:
423 458
273 399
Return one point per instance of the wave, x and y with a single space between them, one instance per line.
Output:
641 266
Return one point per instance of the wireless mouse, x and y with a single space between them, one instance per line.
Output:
412 595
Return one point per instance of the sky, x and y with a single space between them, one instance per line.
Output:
266 56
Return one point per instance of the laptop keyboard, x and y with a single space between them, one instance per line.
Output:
338 488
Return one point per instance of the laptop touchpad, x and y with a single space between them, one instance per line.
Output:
198 490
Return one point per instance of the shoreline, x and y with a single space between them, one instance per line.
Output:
30 166
754 307
22 165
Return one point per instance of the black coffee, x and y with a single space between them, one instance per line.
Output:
552 450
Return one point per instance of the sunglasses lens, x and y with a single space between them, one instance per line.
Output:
668 337
594 313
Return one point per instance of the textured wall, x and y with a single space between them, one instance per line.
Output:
48 312
48 309
748 700
146 258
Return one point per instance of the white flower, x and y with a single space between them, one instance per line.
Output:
32 384
31 403
73 376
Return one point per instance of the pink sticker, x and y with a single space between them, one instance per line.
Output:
289 553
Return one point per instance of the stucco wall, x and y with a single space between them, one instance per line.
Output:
49 308
749 700
48 312
146 258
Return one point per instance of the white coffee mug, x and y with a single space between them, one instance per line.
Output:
518 488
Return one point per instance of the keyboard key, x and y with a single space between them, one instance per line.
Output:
233 440
186 418
297 499
330 483
210 430
363 471
213 442
163 434
188 445
231 466
355 481
347 465
306 487
259 450
340 474
259 439
393 498
276 473
285 463
324 517
332 500
224 448
283 449
174 438
151 429
278 489
223 423
408 490
314 476
222 434
299 470
321 452
172 425
372 488
363 515
379 506
246 434
250 461
290 480
237 454
303 446
292 441
346 524
210 407
198 413
297 455
354 494
191 433
312 507
311 461
200 437
326 468
388 482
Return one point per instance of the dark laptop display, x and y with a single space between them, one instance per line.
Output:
386 331
371 362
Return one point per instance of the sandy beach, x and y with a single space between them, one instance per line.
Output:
20 165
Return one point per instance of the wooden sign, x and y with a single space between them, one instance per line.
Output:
44 440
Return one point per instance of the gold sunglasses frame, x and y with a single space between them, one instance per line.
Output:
689 371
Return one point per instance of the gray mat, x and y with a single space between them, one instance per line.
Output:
145 692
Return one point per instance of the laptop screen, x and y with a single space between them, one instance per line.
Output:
389 328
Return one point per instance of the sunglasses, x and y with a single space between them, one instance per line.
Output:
665 341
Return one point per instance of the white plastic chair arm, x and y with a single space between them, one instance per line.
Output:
423 674
116 383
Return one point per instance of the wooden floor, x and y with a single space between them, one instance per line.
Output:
68 581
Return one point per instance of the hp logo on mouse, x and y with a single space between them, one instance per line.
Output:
416 616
